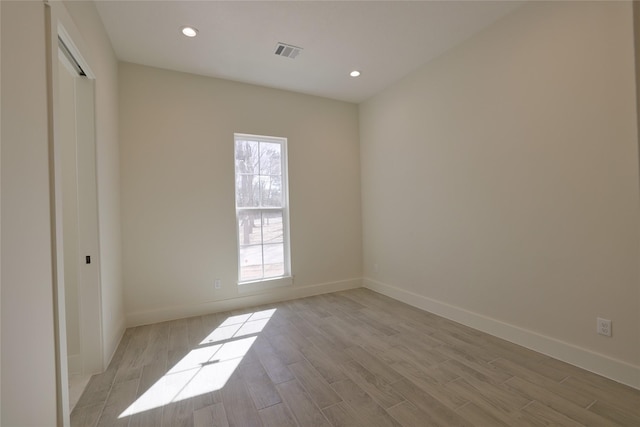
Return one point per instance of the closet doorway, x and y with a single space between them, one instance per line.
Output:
76 196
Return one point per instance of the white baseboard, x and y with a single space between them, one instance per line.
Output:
112 343
606 366
264 297
74 364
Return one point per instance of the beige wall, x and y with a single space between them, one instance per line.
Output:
0 218
500 184
178 189
28 354
28 351
636 30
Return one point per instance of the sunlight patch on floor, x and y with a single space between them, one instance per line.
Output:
209 366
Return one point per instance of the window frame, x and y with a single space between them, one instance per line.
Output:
286 278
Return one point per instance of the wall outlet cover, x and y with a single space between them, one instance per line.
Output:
604 326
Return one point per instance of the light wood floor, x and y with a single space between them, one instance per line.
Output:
352 358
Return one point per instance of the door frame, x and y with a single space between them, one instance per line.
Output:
60 25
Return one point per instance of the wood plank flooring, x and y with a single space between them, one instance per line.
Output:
353 358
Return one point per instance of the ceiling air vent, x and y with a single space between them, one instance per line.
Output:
287 50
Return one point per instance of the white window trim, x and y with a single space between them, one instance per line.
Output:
264 284
287 278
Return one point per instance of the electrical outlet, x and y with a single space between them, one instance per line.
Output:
604 327
217 283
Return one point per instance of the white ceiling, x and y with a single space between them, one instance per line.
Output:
385 40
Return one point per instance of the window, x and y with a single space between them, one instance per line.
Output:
262 215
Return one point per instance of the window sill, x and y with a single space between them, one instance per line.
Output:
246 287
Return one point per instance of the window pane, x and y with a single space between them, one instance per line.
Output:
274 260
270 159
271 190
272 231
249 228
250 263
248 191
260 184
247 157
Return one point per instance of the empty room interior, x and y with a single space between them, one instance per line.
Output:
319 213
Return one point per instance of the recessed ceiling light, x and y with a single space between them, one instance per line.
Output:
354 73
189 31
